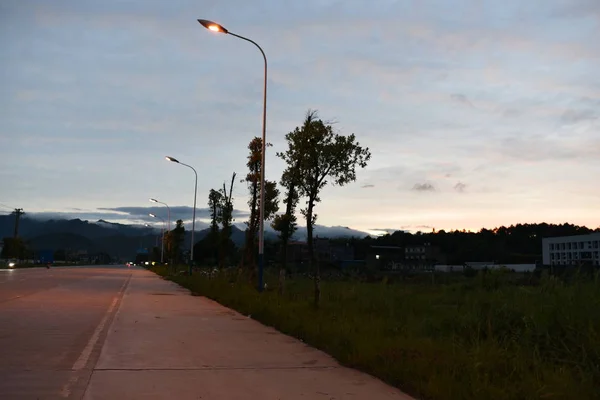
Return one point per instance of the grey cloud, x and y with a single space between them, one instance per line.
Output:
386 230
511 112
177 212
423 187
578 8
368 185
539 148
460 187
129 219
424 227
572 116
590 102
404 228
461 98
84 215
321 231
134 214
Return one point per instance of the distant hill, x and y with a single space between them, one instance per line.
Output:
57 241
123 241
30 227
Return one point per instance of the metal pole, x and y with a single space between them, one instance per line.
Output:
168 216
193 216
261 229
162 250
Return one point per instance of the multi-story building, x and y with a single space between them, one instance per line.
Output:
423 256
410 258
385 258
572 250
324 250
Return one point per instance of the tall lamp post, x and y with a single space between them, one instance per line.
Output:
168 212
162 250
213 26
157 236
194 213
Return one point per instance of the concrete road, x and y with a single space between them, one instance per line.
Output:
119 333
52 326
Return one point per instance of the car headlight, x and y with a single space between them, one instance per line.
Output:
12 264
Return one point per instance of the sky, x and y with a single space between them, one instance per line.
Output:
478 113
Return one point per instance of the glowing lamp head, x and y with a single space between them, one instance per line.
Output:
212 26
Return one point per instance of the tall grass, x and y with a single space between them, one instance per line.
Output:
469 340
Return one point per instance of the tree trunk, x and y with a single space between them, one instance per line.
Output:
248 258
311 258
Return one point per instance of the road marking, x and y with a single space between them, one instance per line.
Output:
66 390
87 351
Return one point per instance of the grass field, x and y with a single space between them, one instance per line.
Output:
473 339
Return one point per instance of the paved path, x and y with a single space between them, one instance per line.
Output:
127 334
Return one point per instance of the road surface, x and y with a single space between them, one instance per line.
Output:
118 333
52 326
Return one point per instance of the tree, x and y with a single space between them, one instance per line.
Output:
14 247
285 223
173 242
215 200
226 219
321 156
254 187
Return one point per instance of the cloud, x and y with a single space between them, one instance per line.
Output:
531 72
572 116
511 112
82 215
368 185
461 98
385 230
460 187
177 212
137 215
538 148
328 231
423 187
424 227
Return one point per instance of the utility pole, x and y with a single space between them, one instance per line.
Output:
18 213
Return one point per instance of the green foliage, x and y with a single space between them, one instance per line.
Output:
316 156
254 187
208 248
174 241
458 341
226 219
14 248
214 204
515 244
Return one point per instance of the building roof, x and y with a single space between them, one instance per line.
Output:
588 236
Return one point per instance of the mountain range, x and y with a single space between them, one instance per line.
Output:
122 240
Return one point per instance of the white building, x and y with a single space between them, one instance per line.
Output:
571 250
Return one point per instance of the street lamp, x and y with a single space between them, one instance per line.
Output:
194 213
168 212
213 26
162 250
